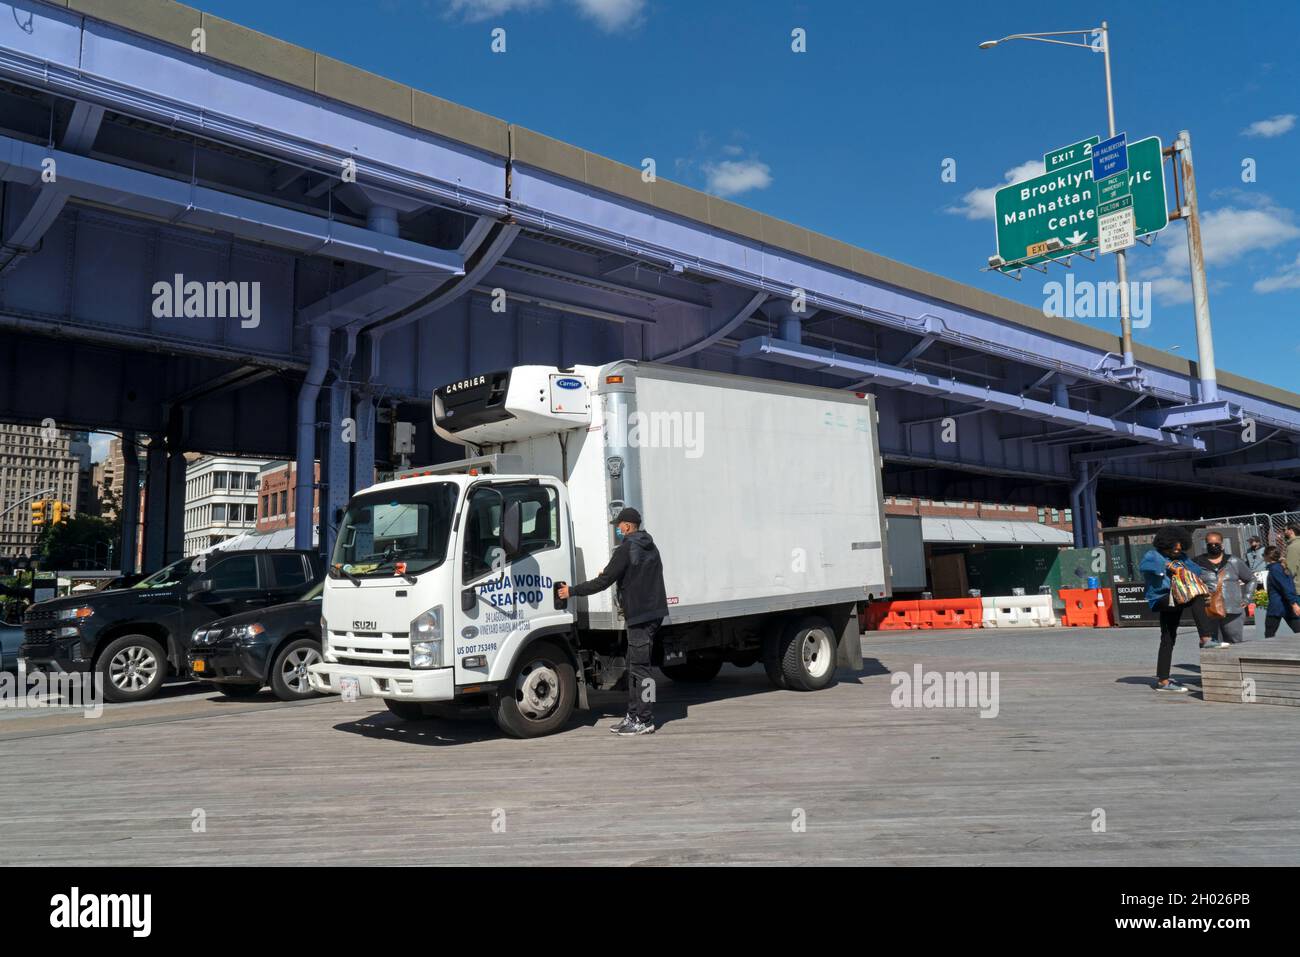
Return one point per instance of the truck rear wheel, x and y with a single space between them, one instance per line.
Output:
802 655
694 671
538 697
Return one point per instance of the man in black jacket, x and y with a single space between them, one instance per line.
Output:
636 567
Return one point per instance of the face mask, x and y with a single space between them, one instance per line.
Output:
1214 549
618 534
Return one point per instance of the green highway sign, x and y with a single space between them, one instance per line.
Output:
1062 204
1069 155
1112 188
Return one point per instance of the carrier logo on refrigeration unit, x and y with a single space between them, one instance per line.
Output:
569 383
464 384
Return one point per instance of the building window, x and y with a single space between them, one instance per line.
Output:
1056 516
237 481
250 513
1042 516
219 512
219 480
1069 517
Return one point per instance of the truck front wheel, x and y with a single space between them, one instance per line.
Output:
802 656
132 667
695 671
538 697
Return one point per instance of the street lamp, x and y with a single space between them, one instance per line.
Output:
1121 261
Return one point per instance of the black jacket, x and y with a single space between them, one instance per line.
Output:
636 567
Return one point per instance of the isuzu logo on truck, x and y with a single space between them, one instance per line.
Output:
359 625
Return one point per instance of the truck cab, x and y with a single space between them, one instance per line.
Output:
437 583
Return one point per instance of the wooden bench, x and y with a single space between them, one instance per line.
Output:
1253 672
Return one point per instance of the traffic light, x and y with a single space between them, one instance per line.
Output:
62 512
41 512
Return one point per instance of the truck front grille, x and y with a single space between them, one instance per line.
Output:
371 649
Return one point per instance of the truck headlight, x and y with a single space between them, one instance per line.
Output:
426 639
75 614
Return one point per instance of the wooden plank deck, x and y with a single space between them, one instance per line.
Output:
1180 780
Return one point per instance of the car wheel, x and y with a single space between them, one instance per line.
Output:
537 699
132 668
289 671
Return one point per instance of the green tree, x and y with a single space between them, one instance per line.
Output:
83 540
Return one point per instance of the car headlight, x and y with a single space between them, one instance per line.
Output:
426 639
247 632
66 614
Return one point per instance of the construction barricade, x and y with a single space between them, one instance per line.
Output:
923 615
1018 611
1087 607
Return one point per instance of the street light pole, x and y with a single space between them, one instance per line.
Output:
1121 255
1121 259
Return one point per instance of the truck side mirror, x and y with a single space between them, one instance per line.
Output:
199 586
467 599
511 529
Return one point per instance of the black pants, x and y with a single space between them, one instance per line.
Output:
1170 616
1272 621
640 685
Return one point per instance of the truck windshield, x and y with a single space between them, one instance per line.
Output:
396 531
173 574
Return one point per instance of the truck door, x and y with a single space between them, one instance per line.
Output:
503 601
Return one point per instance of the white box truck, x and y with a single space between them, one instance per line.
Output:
763 497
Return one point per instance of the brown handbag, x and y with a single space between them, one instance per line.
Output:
1214 606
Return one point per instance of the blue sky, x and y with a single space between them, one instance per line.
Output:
849 138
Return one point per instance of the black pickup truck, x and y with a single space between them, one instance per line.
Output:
134 637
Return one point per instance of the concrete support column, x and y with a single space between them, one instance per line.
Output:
155 505
305 459
130 502
174 536
336 466
363 451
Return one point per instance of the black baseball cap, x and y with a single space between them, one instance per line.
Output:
627 515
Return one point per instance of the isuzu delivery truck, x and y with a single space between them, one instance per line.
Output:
763 497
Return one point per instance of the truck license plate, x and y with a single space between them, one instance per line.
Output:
349 687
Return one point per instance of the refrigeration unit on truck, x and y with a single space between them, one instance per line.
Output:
763 497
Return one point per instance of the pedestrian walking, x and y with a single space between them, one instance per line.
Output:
1173 585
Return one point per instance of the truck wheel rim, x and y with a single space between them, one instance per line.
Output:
133 668
537 690
294 672
816 652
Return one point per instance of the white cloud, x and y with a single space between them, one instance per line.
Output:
732 177
1227 234
1273 126
609 15
612 15
1288 278
978 203
475 11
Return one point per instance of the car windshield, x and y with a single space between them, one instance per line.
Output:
173 574
395 531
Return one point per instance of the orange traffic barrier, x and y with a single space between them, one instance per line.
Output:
923 615
1087 607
